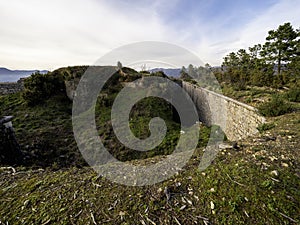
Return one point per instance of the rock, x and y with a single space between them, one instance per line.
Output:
225 146
270 138
274 173
182 207
235 145
212 190
212 205
167 193
178 184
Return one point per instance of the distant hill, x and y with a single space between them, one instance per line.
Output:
7 75
169 72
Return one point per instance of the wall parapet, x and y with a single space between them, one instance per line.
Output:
238 120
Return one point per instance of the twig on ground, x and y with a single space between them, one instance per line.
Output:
9 168
291 219
93 218
177 221
150 220
235 181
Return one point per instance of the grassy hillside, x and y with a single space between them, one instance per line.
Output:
43 122
256 183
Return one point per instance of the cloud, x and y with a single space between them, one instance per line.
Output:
60 33
50 34
284 11
256 30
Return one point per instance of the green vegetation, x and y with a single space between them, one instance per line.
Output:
43 123
259 184
273 64
44 130
265 126
202 76
276 107
40 87
293 94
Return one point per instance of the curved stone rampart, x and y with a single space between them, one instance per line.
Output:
236 119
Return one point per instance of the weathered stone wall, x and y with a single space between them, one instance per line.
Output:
236 119
11 87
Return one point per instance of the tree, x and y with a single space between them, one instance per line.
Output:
237 66
280 46
230 66
184 74
260 72
256 66
208 66
294 66
254 51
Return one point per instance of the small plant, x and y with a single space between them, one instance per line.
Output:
276 107
265 126
249 99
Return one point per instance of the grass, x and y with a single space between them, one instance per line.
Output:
241 191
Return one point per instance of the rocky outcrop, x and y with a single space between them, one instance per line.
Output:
11 87
10 152
71 88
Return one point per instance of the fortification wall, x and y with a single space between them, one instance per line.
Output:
11 87
236 119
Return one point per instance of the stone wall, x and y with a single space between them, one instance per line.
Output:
11 87
236 119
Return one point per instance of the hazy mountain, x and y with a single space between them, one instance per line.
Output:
169 72
7 75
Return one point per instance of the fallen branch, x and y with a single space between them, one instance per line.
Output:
150 220
93 218
235 181
291 219
177 221
78 214
201 217
275 179
9 168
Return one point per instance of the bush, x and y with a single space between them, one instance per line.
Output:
276 107
39 87
159 74
293 94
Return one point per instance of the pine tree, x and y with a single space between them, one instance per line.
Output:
280 46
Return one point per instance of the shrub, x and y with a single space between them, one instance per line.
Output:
159 74
293 94
276 107
39 87
265 126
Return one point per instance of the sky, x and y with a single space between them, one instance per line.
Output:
40 34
